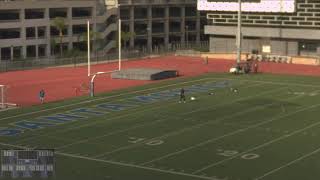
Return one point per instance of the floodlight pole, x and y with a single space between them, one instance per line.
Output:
88 43
119 44
239 33
2 96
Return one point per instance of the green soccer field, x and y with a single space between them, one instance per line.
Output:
269 129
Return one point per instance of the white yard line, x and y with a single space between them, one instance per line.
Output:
136 166
212 140
162 119
288 164
261 145
113 118
272 82
120 163
111 133
192 127
217 138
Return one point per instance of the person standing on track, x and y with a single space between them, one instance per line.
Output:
42 94
182 96
255 67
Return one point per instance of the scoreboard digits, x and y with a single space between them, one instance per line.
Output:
27 163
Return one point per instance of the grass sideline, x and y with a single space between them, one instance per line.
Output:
267 130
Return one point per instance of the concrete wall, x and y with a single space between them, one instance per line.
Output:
228 45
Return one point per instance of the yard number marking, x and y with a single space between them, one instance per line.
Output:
152 142
228 153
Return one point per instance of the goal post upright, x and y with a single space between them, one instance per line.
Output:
88 44
4 103
239 33
119 41
93 75
2 96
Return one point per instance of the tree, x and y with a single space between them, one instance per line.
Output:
126 36
53 45
59 23
95 39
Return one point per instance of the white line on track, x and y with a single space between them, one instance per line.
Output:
122 116
262 145
192 127
119 163
288 164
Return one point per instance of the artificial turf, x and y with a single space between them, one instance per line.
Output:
268 129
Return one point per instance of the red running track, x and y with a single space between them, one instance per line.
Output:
60 82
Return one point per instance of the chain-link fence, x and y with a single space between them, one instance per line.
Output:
98 57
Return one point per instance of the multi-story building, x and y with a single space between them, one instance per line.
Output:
162 22
27 29
289 27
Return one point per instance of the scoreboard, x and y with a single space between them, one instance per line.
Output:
27 163
273 6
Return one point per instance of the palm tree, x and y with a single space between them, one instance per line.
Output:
95 39
53 45
59 23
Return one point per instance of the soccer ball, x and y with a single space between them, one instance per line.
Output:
192 98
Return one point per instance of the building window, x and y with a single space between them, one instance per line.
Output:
81 12
124 13
58 12
175 12
31 51
34 13
41 32
42 50
140 13
30 32
5 53
17 52
9 15
158 12
9 33
309 46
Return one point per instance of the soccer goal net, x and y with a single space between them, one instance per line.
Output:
3 98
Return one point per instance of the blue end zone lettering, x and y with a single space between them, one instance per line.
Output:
32 125
87 111
10 132
161 95
61 118
114 107
197 88
52 120
146 98
221 84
